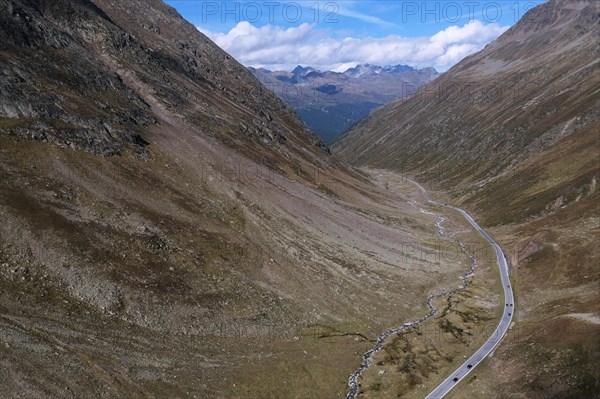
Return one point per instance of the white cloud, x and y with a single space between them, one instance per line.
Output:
274 48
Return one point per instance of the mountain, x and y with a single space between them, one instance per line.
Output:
373 70
170 228
511 133
331 102
153 58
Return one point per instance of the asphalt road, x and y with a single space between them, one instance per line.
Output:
441 390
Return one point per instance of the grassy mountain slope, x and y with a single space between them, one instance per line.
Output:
511 133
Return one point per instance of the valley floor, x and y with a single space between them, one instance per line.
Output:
56 345
109 292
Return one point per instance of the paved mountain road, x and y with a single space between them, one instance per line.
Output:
441 390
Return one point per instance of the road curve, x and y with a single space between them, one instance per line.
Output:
460 373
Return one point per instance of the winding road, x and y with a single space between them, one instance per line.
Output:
441 390
461 372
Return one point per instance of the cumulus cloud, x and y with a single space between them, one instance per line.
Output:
276 48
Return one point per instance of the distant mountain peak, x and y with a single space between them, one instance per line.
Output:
370 70
330 102
307 72
302 71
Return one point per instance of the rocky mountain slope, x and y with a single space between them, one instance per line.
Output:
511 133
331 102
78 50
170 228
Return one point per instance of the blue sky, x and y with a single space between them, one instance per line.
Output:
339 34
